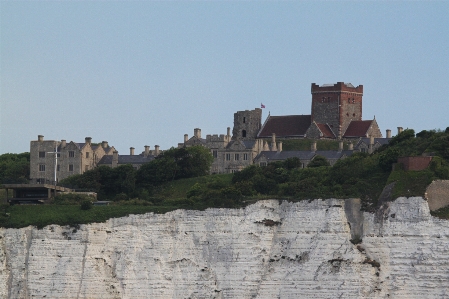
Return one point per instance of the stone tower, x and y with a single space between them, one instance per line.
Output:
336 105
247 124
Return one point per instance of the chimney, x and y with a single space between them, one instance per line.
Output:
131 151
313 147
156 150
371 143
265 146
147 150
340 145
279 146
197 132
186 137
63 143
351 146
273 142
114 159
104 144
88 140
400 129
388 133
229 132
40 138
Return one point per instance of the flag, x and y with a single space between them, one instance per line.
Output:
262 105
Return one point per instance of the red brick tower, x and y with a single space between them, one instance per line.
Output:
336 105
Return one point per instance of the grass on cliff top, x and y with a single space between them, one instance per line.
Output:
442 213
171 196
410 183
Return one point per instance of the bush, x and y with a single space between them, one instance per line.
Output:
86 205
71 198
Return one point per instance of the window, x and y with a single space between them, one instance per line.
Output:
245 157
70 167
57 167
71 154
87 155
215 154
244 120
40 181
353 101
41 167
263 163
228 157
41 154
236 157
243 133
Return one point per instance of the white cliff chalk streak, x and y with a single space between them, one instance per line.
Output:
266 250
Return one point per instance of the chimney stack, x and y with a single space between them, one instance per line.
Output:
273 142
340 145
388 133
63 143
131 151
186 137
197 132
400 129
156 150
371 144
147 150
229 132
88 140
351 146
40 138
313 146
279 146
114 159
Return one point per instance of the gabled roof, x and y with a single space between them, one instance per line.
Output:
326 130
248 144
358 128
381 141
285 126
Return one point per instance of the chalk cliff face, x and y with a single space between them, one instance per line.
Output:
267 250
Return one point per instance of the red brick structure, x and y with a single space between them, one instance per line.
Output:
336 105
414 163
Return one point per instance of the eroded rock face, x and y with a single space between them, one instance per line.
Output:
267 250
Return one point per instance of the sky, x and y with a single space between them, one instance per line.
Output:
145 73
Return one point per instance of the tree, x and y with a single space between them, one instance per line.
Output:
14 168
318 161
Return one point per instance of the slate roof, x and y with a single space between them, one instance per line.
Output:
249 144
381 141
272 155
332 155
285 126
327 132
358 128
126 159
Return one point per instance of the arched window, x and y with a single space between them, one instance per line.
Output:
243 133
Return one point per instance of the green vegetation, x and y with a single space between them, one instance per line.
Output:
177 179
15 168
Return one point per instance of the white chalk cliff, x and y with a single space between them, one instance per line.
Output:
266 250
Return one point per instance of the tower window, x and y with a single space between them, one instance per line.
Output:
215 154
243 133
41 154
41 167
353 114
244 120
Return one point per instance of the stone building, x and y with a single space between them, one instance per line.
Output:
136 161
234 153
72 158
336 113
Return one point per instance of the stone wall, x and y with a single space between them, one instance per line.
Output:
437 194
266 250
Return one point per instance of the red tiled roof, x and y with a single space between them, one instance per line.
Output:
284 126
327 132
358 128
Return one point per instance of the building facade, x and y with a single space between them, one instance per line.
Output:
50 157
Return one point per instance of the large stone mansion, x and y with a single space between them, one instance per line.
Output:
336 114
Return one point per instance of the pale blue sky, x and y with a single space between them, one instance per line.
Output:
145 73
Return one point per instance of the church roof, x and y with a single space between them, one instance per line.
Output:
285 126
327 132
358 128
